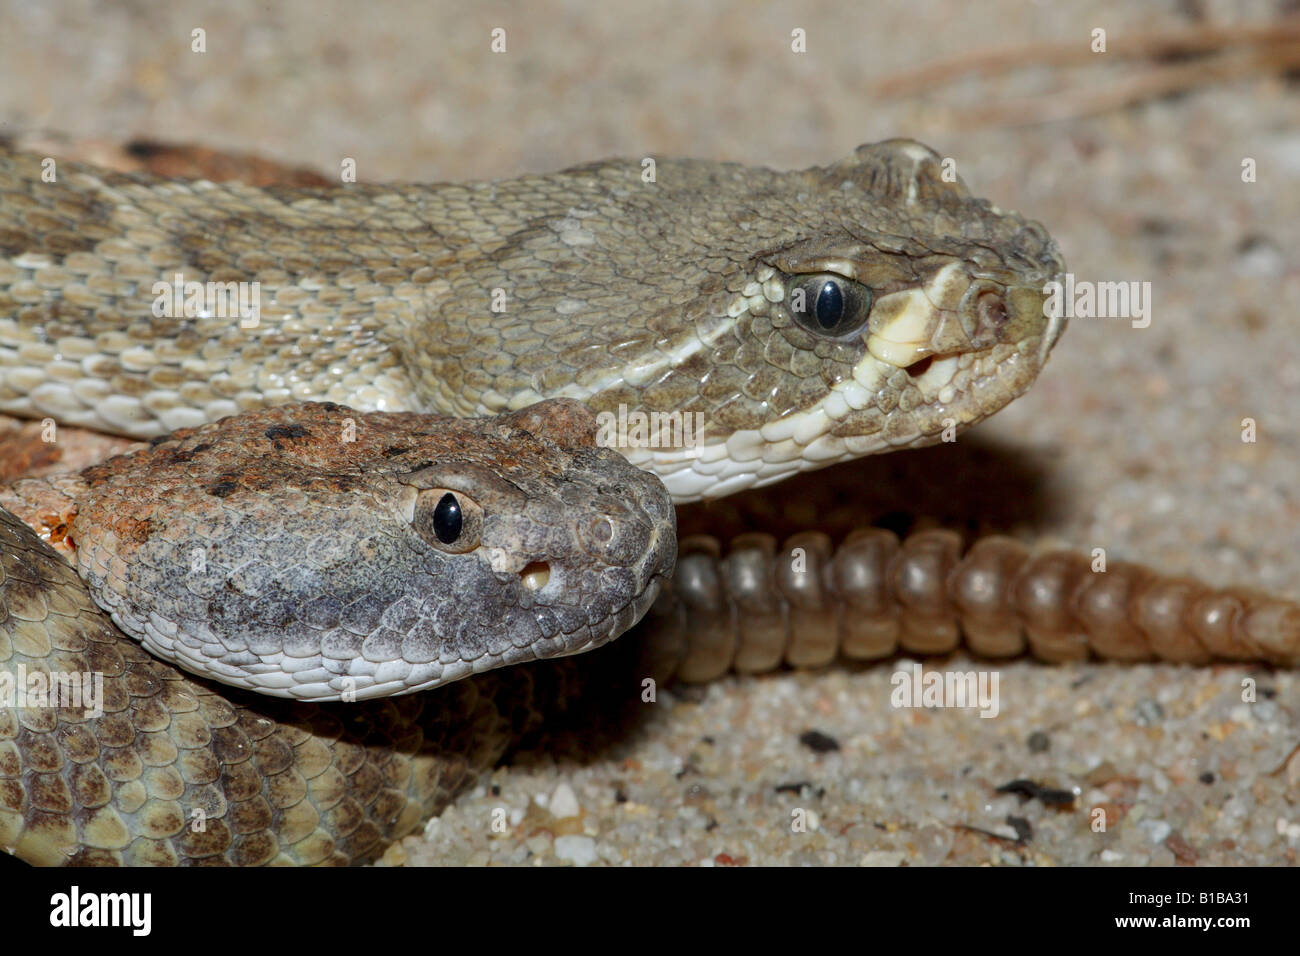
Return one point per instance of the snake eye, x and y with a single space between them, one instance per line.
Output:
829 306
449 520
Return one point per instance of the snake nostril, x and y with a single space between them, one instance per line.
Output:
992 311
597 532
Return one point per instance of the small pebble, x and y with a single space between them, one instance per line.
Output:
818 742
578 850
1156 830
1102 774
1259 257
1148 712
564 802
1024 830
1266 711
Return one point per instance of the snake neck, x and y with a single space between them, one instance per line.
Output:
787 319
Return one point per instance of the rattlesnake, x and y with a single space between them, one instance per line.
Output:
805 317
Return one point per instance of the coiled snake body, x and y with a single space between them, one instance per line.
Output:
334 553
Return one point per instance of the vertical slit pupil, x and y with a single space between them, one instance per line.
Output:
447 519
830 305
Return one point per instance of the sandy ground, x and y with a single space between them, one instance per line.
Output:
1131 441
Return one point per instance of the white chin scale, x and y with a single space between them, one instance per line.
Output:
803 441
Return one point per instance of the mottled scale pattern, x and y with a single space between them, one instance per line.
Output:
143 764
650 288
762 604
293 551
179 771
